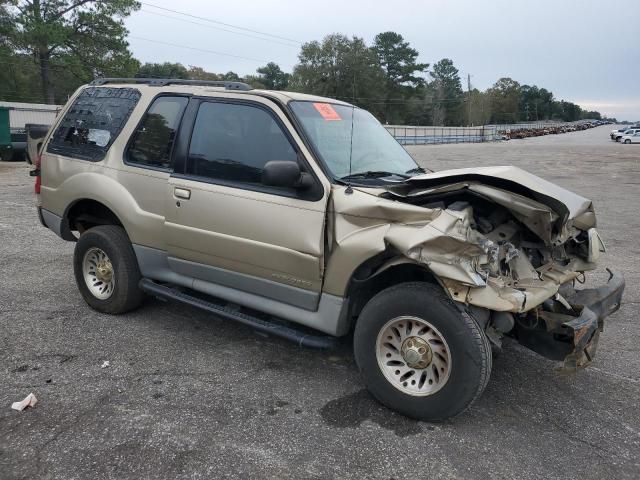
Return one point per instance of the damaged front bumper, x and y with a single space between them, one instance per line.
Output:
567 327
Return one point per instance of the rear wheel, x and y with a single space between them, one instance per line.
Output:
418 354
106 270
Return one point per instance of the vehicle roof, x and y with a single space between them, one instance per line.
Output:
208 90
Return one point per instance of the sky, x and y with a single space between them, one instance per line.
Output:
584 51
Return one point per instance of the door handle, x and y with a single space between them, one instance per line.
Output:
182 193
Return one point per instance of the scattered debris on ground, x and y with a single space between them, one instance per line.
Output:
29 401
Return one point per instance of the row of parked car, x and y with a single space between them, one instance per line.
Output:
626 134
550 130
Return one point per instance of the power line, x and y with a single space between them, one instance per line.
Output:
201 49
401 101
222 23
213 27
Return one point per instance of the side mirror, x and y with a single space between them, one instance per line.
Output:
285 173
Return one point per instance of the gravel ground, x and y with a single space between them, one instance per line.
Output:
188 395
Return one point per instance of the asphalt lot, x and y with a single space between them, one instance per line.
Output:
188 395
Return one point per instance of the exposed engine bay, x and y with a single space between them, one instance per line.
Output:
527 243
513 251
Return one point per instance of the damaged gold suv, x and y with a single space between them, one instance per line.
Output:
302 217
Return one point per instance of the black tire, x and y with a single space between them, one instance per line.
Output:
469 348
627 141
114 241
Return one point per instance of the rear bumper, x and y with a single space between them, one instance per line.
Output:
55 223
571 335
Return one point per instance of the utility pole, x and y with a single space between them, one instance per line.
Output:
469 99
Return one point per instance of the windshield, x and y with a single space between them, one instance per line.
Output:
374 152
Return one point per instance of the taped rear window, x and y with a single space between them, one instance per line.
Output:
93 122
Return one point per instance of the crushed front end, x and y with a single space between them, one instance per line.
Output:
509 247
567 327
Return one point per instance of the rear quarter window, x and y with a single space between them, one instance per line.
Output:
93 122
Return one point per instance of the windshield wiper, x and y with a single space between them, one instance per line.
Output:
373 174
416 170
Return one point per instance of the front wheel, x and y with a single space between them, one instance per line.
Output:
418 354
627 141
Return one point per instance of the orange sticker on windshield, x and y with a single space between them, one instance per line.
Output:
327 111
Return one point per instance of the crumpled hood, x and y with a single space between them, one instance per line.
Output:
550 211
564 202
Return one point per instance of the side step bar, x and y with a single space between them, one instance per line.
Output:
300 337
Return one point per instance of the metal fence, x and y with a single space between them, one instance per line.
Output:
412 135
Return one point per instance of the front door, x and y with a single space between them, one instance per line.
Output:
224 226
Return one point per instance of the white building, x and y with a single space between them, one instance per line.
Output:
22 113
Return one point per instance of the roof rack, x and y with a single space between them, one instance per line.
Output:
162 82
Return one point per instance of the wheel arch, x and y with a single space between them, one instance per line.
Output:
378 273
84 213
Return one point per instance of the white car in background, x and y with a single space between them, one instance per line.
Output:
627 132
616 131
634 138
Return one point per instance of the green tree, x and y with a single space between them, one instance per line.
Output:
18 76
231 77
567 111
84 36
591 115
535 103
447 93
505 100
340 67
199 73
255 81
163 70
272 77
527 102
399 63
480 110
6 25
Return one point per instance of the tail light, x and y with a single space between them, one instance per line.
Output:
36 173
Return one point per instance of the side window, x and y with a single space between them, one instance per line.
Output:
152 142
93 122
233 142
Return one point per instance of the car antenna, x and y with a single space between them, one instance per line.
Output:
349 190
